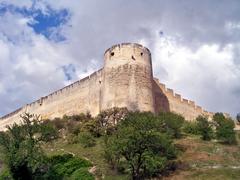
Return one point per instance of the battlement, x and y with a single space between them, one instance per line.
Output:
127 53
11 114
64 90
182 105
133 45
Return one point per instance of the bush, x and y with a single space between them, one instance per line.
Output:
60 158
204 128
190 128
86 139
82 174
58 123
224 129
173 123
65 165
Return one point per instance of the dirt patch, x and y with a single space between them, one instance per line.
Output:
178 175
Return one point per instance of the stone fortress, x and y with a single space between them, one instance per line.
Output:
126 80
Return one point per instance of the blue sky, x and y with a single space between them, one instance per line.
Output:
42 22
47 44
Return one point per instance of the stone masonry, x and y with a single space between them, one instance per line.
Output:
126 80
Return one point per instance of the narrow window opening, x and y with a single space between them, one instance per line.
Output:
133 58
141 54
112 53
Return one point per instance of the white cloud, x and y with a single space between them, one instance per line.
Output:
208 75
197 52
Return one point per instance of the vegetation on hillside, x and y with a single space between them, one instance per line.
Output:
25 158
204 128
115 144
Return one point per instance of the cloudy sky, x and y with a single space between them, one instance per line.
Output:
47 44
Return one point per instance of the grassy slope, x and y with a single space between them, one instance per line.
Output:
204 160
207 160
94 154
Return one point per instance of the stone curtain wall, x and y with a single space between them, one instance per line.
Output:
167 100
80 97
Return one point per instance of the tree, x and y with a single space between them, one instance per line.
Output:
224 128
173 123
21 144
140 145
204 128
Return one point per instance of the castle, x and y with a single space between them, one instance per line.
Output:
126 80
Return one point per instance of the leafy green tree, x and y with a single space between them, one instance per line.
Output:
139 144
173 123
190 127
204 128
24 156
224 129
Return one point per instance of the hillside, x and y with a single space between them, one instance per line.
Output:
201 159
196 158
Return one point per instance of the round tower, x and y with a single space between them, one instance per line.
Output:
127 78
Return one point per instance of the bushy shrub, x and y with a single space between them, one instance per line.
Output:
173 123
58 123
190 127
204 128
224 129
65 165
82 174
86 139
